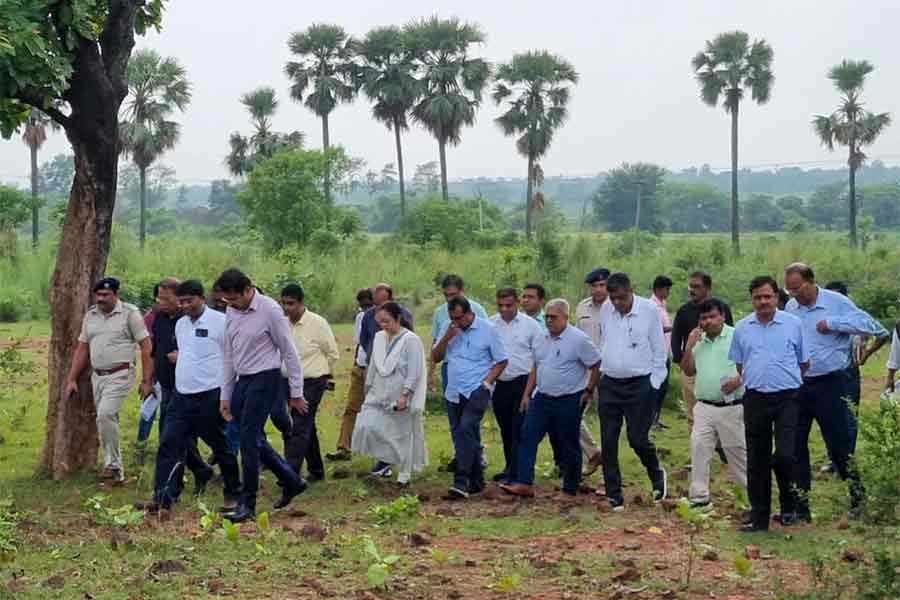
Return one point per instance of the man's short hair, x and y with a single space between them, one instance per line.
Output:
541 292
233 281
840 287
711 304
758 282
459 302
704 277
801 269
598 274
560 304
169 283
661 282
386 287
364 294
191 287
452 281
507 292
618 281
292 290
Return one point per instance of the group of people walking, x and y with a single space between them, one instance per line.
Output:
746 387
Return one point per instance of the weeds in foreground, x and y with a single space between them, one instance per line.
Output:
124 517
10 540
380 566
401 508
697 520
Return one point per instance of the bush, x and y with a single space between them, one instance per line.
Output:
879 461
15 306
878 298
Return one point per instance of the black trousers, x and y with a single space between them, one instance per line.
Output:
467 414
303 441
192 459
768 414
660 394
632 401
190 416
507 400
822 399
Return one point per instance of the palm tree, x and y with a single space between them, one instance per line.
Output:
451 81
34 136
157 87
851 125
326 64
540 84
246 152
728 66
388 79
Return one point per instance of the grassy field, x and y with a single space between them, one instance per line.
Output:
350 537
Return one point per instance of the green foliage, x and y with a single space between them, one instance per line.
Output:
442 557
878 461
15 208
450 225
379 569
230 531
507 584
209 519
615 202
879 298
404 507
247 152
10 539
124 517
742 565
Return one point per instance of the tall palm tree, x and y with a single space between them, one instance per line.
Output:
452 81
728 66
388 79
34 136
326 63
539 85
246 152
851 125
157 87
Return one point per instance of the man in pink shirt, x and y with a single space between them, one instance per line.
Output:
662 285
257 340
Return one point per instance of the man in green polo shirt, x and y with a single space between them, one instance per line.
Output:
719 413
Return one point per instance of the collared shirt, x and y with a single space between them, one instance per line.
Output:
587 319
163 335
770 355
893 361
201 352
369 327
664 318
686 320
633 344
256 340
442 316
361 357
470 356
832 351
315 345
564 362
519 338
540 320
112 337
712 363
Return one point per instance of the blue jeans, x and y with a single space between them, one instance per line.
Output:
251 405
562 415
466 434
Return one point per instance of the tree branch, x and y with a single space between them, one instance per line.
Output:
36 101
117 41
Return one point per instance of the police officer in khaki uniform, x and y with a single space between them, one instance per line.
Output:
109 332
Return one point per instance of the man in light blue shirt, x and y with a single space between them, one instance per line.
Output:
564 376
770 354
829 321
533 297
476 358
520 334
634 352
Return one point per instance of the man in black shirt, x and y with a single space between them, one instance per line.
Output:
686 320
165 353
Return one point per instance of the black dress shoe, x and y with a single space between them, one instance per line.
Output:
201 481
786 519
753 527
340 455
240 514
288 494
500 477
312 477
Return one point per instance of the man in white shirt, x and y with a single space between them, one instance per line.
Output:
519 333
194 410
633 351
356 394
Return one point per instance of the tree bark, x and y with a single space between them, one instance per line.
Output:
442 150
326 144
35 234
96 91
529 188
142 176
400 168
852 221
735 217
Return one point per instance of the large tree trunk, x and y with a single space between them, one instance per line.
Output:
326 144
400 168
34 197
735 217
142 176
852 220
529 188
442 151
94 96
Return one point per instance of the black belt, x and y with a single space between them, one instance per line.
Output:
117 369
626 379
824 376
720 404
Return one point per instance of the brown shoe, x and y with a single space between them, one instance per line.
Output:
593 464
111 473
148 507
518 489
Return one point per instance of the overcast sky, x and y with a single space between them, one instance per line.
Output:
637 99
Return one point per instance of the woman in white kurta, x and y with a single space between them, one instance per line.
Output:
390 425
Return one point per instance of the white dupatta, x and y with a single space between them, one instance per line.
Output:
386 364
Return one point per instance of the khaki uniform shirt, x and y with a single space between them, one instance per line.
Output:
587 319
315 344
112 337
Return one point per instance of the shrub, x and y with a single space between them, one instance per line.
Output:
879 461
